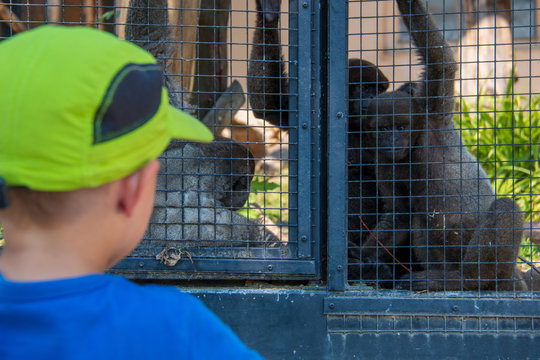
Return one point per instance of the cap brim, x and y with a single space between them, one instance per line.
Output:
186 127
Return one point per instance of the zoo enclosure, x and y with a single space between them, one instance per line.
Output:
298 216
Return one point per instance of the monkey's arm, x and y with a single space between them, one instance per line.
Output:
435 92
267 82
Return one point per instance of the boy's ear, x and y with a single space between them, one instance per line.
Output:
132 186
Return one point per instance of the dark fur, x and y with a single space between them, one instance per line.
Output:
463 239
145 28
407 87
268 84
233 166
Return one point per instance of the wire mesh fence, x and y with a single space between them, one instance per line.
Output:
431 183
442 186
230 206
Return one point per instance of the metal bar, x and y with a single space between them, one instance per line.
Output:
488 307
304 129
317 204
226 267
320 113
337 156
294 146
145 250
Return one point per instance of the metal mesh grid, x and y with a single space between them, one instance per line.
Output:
230 206
423 215
206 49
230 200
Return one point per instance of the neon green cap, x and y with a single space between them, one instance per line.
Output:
80 108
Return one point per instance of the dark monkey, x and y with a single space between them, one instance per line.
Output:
462 237
268 88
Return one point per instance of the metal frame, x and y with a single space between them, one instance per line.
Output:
303 253
337 145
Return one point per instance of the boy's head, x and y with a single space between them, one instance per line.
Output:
80 112
80 108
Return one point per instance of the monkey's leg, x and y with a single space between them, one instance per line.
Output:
434 250
489 262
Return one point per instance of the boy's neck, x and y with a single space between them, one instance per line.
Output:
110 227
37 255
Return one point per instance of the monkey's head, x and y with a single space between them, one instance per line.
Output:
366 81
386 128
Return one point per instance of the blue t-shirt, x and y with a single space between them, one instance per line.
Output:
108 317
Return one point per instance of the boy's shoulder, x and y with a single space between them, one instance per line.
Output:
81 285
156 300
104 313
109 289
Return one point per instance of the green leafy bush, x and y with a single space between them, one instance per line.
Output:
505 138
503 133
268 199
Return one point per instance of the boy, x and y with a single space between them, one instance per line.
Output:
83 117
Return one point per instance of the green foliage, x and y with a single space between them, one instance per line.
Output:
505 137
530 252
260 184
503 133
268 199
